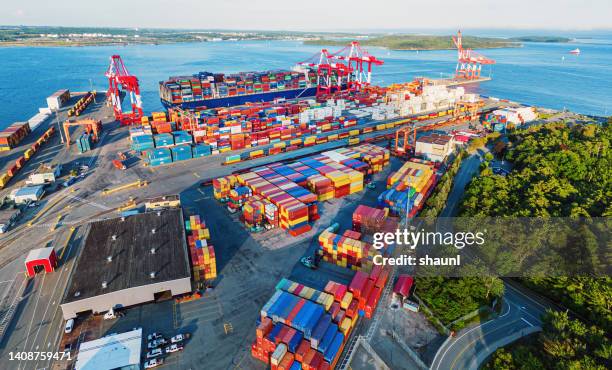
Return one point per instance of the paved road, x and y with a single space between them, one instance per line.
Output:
520 316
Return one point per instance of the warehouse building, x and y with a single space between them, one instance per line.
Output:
116 351
435 147
163 202
44 174
28 194
128 261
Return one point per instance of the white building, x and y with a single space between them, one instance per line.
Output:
115 351
28 193
45 174
435 147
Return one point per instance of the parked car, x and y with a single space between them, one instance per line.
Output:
154 353
174 348
154 336
156 343
179 338
153 363
69 326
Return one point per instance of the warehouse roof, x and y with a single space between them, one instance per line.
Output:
30 190
119 252
111 352
164 198
435 139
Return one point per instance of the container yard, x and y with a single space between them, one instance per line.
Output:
268 262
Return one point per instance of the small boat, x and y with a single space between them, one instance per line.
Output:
575 51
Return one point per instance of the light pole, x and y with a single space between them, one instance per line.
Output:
59 127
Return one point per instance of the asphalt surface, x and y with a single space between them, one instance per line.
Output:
37 324
520 316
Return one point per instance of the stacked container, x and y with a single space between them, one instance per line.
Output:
12 135
157 157
408 188
181 153
304 328
202 254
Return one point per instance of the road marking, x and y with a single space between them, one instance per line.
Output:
42 284
196 175
526 296
528 323
467 332
478 338
201 191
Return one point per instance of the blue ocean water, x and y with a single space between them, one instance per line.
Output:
538 74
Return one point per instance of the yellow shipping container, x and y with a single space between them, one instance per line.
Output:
390 125
353 132
380 127
353 141
28 153
4 179
332 137
255 153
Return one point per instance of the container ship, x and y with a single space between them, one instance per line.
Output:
212 90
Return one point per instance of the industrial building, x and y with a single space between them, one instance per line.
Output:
40 258
435 147
128 261
116 351
28 194
163 202
44 174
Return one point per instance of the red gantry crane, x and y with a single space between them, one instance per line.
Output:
120 78
331 76
348 68
469 63
360 63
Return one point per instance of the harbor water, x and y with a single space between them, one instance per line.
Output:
541 74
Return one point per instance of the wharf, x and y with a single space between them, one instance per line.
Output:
53 151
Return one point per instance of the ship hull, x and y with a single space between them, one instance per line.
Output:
230 101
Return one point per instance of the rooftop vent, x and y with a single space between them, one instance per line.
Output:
77 293
152 275
109 258
158 213
114 237
153 231
104 284
153 250
122 218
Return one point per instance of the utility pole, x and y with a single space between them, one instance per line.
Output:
59 127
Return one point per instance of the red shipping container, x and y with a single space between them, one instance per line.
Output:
301 351
264 327
295 310
286 362
358 283
382 278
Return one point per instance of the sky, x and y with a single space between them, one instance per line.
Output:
313 15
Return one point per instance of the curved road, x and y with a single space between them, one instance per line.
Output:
520 316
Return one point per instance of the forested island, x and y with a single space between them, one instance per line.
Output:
97 36
421 42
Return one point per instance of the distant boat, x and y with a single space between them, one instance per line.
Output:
575 51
